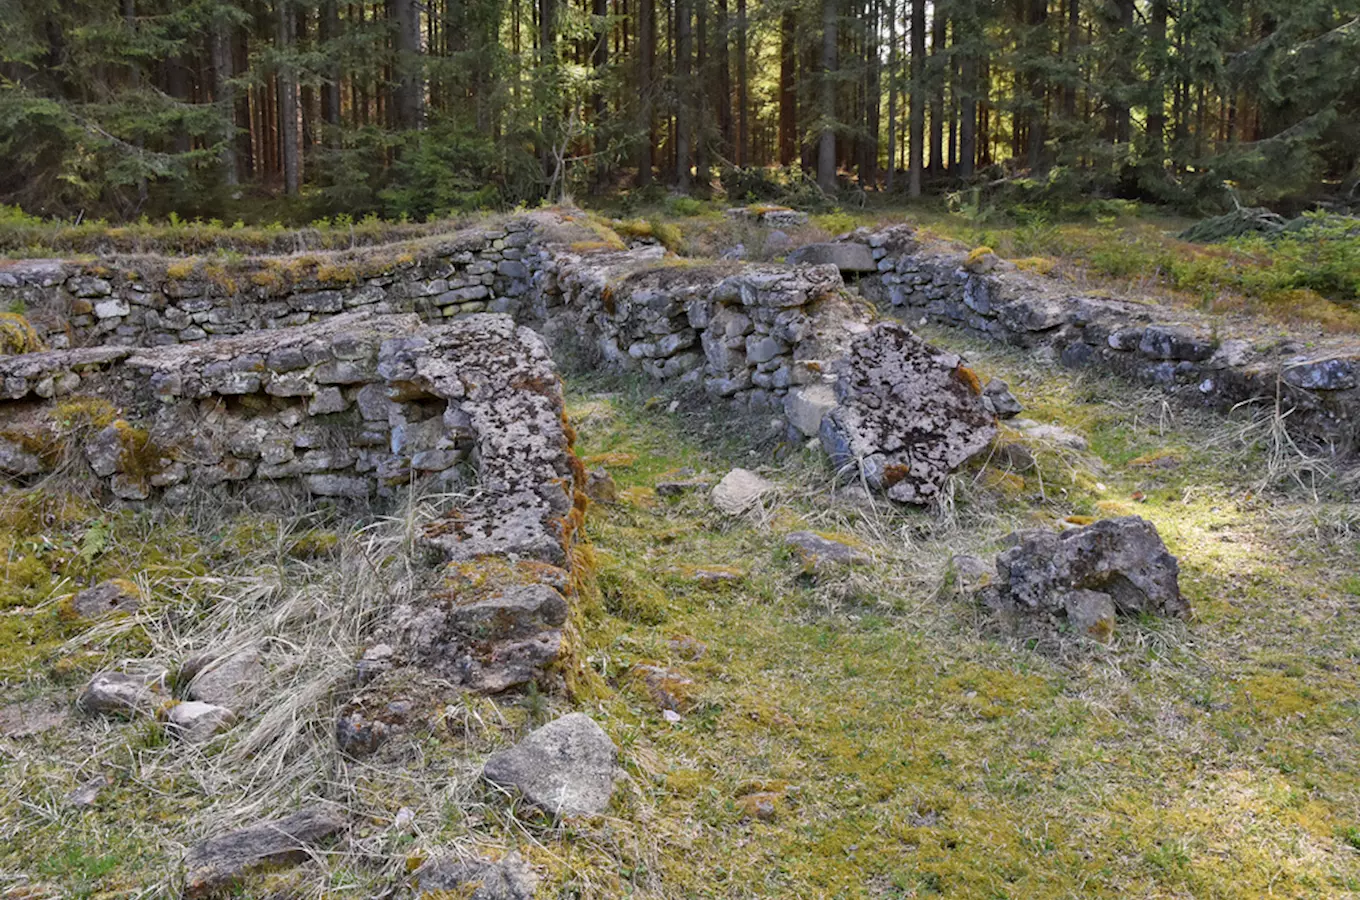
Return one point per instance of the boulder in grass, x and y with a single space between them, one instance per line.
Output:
217 864
1087 575
476 879
820 552
565 768
739 491
124 694
107 598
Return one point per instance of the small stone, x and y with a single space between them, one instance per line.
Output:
195 722
969 573
88 793
687 647
106 598
1003 402
17 462
565 768
777 243
1321 375
218 863
668 688
476 879
805 406
112 308
739 491
600 486
327 400
819 553
1052 434
338 486
230 680
120 693
30 717
762 805
678 487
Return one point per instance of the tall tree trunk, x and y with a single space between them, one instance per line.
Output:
788 88
826 144
410 99
549 114
703 174
720 92
918 108
868 174
1038 20
938 25
646 59
599 61
684 93
892 93
330 90
224 96
1073 51
288 101
743 148
1156 117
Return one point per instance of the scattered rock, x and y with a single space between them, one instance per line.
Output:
121 693
88 793
981 261
712 576
30 717
762 805
844 255
668 688
819 553
195 722
687 647
1052 434
997 394
116 595
739 491
680 486
565 768
600 486
909 414
969 573
777 243
476 879
229 681
1322 375
216 864
1123 560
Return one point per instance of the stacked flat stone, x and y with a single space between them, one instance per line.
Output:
138 301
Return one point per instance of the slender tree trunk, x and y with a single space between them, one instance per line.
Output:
684 91
892 94
868 175
788 88
1156 117
1073 51
599 61
743 148
410 99
704 130
1038 20
288 102
224 96
918 108
938 25
826 145
646 59
549 114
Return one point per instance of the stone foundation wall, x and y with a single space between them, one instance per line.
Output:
152 302
351 408
1317 385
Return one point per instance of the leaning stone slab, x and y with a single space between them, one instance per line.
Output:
909 414
476 879
218 863
565 768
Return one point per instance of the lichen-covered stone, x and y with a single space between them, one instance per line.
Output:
216 864
908 414
565 768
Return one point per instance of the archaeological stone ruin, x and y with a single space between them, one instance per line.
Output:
353 378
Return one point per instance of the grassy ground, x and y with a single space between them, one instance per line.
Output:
867 734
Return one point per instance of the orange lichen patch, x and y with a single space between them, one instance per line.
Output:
615 460
894 473
607 299
1080 520
969 378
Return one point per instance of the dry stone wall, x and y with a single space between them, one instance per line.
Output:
1317 386
151 302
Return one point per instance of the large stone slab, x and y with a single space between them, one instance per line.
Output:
215 865
909 414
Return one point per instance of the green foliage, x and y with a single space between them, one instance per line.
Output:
790 187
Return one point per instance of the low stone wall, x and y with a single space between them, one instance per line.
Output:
747 333
1317 387
152 302
351 408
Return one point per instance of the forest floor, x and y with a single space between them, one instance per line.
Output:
868 733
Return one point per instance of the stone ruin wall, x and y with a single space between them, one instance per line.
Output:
1317 388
